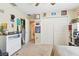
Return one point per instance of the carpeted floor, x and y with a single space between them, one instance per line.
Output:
35 50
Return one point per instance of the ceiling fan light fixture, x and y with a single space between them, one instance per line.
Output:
37 4
52 3
13 4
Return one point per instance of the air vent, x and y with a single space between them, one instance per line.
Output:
13 4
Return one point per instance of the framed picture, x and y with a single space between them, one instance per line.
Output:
44 14
12 18
64 12
37 16
53 13
37 29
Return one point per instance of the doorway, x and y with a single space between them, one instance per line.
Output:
47 32
23 31
32 32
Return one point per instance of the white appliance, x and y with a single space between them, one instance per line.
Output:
13 43
10 43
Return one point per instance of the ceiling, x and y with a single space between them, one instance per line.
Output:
30 8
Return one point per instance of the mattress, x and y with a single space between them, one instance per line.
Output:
66 51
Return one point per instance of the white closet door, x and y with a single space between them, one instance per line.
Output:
46 32
60 30
60 34
54 30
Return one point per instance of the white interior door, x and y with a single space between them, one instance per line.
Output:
61 31
46 32
60 34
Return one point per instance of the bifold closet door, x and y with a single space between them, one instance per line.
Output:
46 32
54 31
60 34
60 26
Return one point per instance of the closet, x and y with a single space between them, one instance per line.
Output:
54 30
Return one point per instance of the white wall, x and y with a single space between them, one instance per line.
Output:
27 31
65 19
70 15
8 10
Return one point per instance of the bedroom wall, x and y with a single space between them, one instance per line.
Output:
70 15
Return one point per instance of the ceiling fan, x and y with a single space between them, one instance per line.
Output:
37 4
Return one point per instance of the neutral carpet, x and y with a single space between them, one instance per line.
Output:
35 50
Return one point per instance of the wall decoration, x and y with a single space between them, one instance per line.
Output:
4 25
44 15
18 21
12 18
70 28
64 12
11 24
53 13
37 29
37 16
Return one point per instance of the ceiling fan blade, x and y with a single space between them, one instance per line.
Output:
52 3
37 4
13 4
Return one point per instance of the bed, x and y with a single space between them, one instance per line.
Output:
66 51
